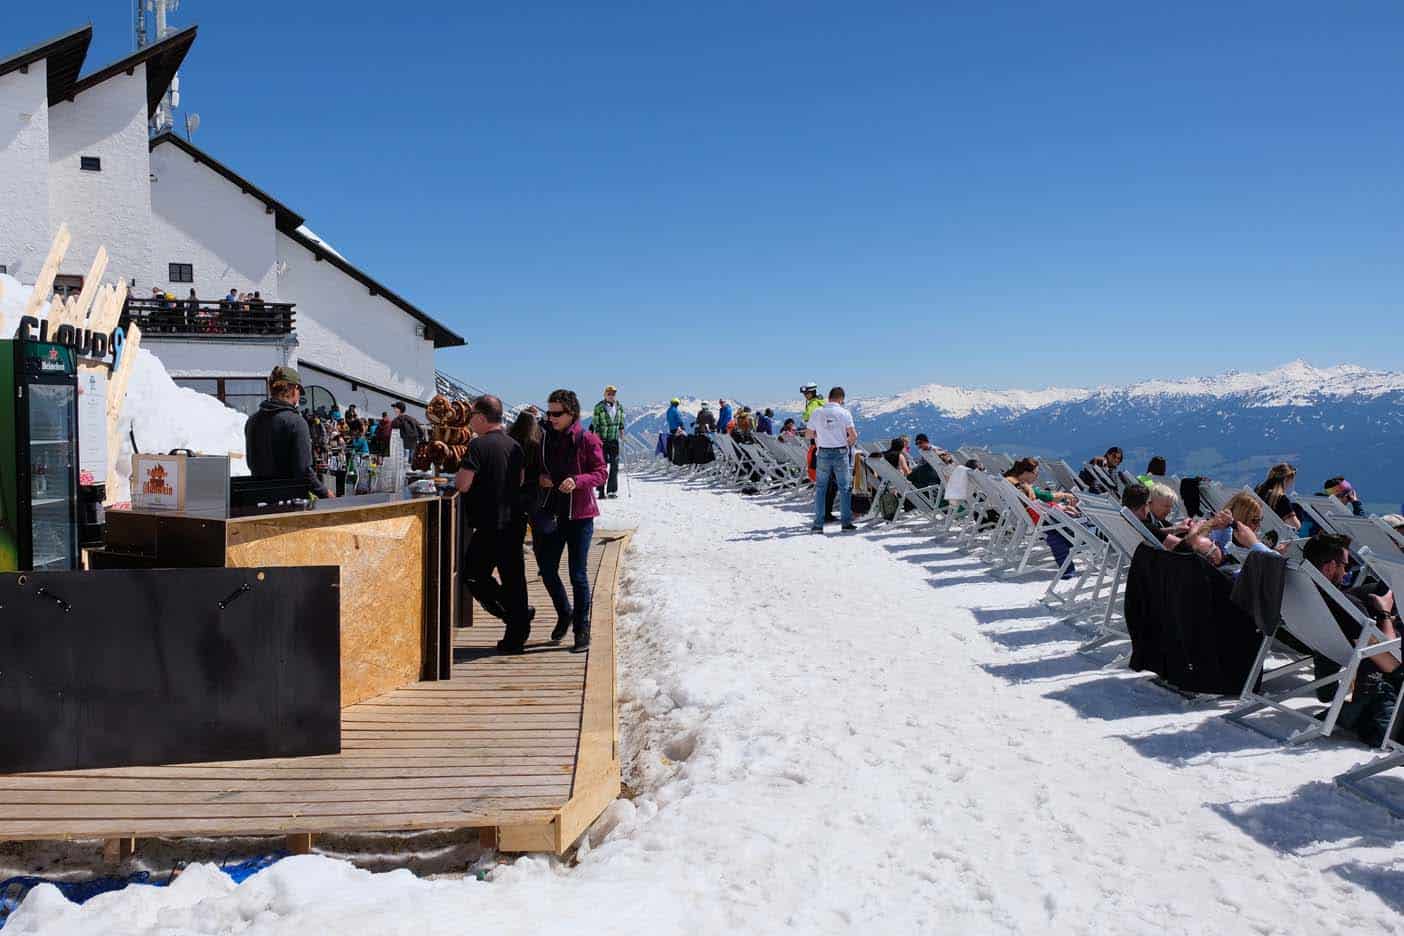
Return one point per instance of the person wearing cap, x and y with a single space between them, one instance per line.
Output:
676 428
706 419
812 403
608 423
277 442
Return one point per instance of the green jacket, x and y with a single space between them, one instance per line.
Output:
811 406
601 425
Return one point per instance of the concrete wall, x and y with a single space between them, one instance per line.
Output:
201 218
24 172
340 325
111 208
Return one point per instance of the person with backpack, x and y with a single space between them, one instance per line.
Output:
834 435
607 422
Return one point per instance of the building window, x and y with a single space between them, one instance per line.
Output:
90 163
3 268
182 273
66 285
239 393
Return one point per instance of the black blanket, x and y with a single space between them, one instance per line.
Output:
1184 627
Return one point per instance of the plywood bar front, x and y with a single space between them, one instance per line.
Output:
398 572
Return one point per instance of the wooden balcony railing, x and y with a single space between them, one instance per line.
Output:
208 319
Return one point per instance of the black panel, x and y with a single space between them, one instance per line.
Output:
163 666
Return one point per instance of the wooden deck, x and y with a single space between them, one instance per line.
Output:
524 748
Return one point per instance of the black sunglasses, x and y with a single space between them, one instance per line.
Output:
555 413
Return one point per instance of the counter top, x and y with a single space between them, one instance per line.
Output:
321 506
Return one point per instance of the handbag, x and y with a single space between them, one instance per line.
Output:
543 519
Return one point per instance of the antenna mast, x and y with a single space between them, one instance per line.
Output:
164 118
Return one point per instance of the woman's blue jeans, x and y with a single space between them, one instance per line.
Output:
572 537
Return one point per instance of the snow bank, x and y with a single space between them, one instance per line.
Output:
162 416
866 733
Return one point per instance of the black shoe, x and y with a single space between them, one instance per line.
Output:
504 647
559 631
830 518
849 526
582 641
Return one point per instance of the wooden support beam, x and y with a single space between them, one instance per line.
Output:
79 312
116 393
118 850
45 283
298 843
487 837
537 837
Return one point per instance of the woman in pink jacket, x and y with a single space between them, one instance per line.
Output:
574 468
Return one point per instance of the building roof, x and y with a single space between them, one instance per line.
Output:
289 222
63 55
439 334
162 60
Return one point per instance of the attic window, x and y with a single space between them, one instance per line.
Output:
90 163
181 273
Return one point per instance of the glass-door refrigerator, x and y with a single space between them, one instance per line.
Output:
39 459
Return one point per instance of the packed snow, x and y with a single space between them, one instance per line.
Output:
161 415
865 732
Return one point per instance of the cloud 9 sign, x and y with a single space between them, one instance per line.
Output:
88 344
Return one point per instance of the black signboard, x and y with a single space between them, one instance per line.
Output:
164 666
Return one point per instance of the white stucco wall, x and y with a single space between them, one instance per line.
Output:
341 326
201 218
24 172
111 208
209 357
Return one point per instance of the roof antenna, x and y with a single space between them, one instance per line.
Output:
164 118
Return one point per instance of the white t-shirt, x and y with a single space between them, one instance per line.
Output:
831 424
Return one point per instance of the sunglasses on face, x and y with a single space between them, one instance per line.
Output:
555 413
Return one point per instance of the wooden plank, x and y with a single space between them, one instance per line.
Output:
271 825
118 850
590 799
468 807
78 313
299 843
536 837
44 283
14 801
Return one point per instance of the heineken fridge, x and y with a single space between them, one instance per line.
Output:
38 456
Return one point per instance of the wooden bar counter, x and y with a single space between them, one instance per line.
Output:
399 573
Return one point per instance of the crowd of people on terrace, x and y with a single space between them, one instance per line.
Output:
244 312
1223 538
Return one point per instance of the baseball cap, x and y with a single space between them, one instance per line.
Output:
284 374
676 401
809 387
611 389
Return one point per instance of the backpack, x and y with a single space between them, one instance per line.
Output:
889 505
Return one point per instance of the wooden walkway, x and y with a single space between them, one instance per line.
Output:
524 748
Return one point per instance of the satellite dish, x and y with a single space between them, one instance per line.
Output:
192 123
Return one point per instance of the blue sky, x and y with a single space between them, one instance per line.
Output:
732 198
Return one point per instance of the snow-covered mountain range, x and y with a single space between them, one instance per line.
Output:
1345 420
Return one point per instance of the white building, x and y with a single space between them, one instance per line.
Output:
77 150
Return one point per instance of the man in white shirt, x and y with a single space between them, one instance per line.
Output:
831 428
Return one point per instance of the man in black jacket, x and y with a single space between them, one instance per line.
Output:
276 439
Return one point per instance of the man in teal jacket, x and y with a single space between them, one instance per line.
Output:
608 423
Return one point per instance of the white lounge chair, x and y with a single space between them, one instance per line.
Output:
1390 569
1307 616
